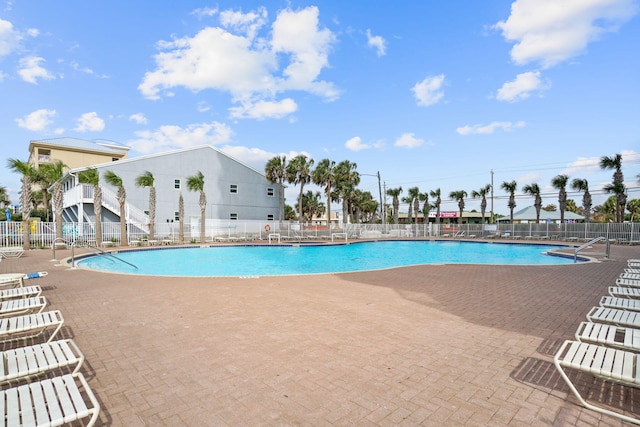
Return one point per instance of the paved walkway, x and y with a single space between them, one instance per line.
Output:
427 345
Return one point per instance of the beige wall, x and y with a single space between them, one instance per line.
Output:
71 158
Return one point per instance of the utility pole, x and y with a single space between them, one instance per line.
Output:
491 196
382 215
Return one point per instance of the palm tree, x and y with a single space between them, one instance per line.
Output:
146 179
114 180
534 190
92 177
634 208
54 172
299 172
365 206
324 175
619 190
311 205
347 178
459 196
510 187
482 194
276 173
583 185
196 183
617 186
4 197
41 180
395 193
436 204
409 201
181 219
559 182
413 199
26 198
424 197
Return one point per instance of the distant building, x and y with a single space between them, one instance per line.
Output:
75 152
233 190
447 217
528 215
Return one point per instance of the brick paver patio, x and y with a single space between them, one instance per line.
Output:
427 345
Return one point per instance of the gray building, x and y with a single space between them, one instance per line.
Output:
234 191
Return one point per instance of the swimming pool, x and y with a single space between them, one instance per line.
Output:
262 260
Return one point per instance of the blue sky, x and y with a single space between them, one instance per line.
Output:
429 94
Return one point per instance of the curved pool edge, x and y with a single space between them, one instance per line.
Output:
583 259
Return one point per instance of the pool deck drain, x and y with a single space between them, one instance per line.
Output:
426 345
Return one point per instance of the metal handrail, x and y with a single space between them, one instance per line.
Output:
53 245
98 252
588 244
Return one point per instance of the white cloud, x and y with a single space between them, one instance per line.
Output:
205 12
86 70
30 70
377 42
261 110
551 31
522 87
582 166
139 118
89 122
489 129
254 157
203 107
173 137
39 120
528 178
9 38
234 60
408 140
355 144
429 91
245 23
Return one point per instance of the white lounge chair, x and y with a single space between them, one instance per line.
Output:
624 292
30 326
14 307
633 262
50 402
628 282
17 279
609 364
614 316
11 251
609 335
621 303
632 276
25 292
33 360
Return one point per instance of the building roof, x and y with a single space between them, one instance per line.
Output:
168 153
529 214
108 147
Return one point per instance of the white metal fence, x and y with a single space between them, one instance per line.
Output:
43 234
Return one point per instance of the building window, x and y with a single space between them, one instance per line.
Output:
114 159
176 215
146 212
270 191
270 217
233 188
233 216
44 156
176 184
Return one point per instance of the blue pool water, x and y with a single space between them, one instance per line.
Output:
307 259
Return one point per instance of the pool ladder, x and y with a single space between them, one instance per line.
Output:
606 253
99 252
